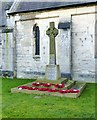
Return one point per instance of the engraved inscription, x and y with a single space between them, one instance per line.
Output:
51 73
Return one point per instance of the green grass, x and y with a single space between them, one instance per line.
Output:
20 105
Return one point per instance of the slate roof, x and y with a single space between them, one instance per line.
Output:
3 7
36 5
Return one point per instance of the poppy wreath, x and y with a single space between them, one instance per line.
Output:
32 88
62 91
36 84
65 91
74 91
69 91
22 87
47 84
42 89
59 85
53 90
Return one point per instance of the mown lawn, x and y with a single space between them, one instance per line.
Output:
19 105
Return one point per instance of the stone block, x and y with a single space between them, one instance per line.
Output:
52 72
80 86
61 80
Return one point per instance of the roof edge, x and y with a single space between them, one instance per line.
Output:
54 8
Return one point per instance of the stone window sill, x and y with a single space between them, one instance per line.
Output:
36 57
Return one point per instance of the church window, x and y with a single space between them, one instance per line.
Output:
36 32
0 42
64 26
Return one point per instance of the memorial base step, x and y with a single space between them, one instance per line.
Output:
69 85
79 86
61 80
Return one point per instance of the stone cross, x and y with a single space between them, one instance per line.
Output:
52 32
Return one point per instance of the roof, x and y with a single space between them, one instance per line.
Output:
3 7
36 5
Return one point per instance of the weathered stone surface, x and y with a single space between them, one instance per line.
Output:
52 59
83 63
52 72
7 51
52 32
61 80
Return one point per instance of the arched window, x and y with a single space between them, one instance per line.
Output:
36 32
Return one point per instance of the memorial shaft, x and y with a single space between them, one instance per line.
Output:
52 32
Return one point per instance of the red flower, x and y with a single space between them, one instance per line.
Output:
23 87
42 89
47 84
59 85
36 84
53 90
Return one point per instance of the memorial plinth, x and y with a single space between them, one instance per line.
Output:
52 72
70 89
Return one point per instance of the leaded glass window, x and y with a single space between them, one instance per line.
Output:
37 39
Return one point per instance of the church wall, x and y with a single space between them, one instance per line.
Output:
0 52
96 46
83 46
7 37
7 53
29 65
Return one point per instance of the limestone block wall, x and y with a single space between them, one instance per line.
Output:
96 45
7 38
83 47
7 52
27 63
0 52
74 46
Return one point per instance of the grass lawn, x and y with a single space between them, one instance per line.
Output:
19 105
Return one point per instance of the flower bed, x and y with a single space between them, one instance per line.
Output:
36 84
47 84
22 87
32 88
69 91
42 89
45 87
53 90
26 87
59 85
